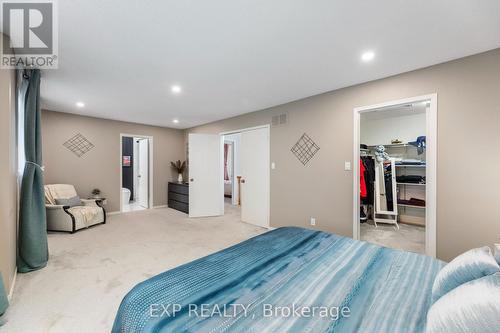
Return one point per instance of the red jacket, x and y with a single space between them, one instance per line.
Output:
362 182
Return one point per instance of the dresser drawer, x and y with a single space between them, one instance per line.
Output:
179 206
178 197
178 188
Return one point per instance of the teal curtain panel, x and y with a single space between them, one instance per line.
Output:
4 302
32 240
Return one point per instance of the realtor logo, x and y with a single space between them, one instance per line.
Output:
29 34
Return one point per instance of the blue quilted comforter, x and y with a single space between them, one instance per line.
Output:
287 280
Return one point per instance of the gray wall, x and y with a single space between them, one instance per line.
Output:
468 161
8 178
101 166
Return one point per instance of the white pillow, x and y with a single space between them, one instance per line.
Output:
497 253
468 266
471 307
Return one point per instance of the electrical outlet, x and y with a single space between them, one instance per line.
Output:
347 166
313 221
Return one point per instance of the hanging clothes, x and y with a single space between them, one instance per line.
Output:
362 182
369 165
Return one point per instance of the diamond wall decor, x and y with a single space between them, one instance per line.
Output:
78 145
305 149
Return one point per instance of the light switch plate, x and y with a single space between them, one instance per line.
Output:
273 165
347 166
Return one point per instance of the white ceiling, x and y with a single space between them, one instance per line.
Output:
121 57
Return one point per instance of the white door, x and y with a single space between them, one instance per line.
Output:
143 173
205 187
254 163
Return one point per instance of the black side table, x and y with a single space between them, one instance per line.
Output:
100 201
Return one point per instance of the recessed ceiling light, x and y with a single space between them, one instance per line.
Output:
80 104
368 56
176 89
175 121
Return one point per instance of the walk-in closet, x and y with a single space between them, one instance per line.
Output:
392 170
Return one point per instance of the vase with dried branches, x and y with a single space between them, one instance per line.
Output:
96 193
179 167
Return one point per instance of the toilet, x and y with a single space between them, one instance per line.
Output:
125 196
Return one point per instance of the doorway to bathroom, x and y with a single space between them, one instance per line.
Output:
136 172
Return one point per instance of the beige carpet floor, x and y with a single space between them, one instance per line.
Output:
408 237
89 272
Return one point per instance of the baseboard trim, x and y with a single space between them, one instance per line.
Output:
118 212
11 292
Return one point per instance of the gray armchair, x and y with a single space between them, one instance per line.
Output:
71 219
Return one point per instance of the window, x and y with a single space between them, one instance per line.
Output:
21 156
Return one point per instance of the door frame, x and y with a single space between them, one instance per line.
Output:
233 176
268 187
150 167
142 144
431 165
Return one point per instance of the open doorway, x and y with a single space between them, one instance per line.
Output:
249 178
232 174
214 174
395 174
136 173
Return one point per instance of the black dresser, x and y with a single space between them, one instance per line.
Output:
178 196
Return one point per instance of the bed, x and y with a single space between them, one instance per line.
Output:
228 188
287 280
